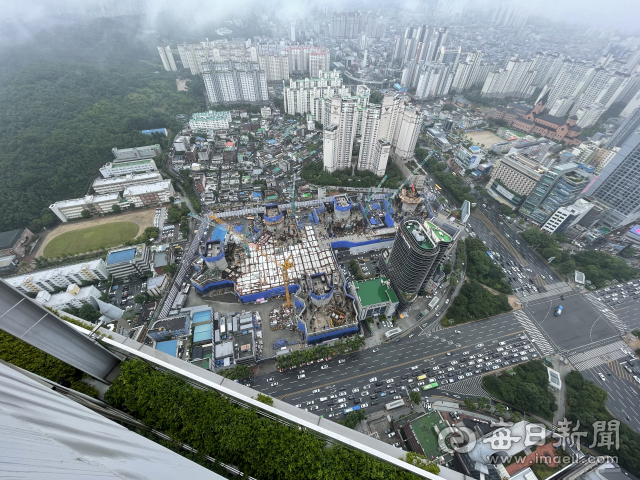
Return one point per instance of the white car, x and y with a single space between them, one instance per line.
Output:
465 353
365 393
324 367
397 397
340 362
495 367
454 362
420 384
373 379
366 387
301 376
274 384
355 390
298 405
414 368
390 380
332 397
460 377
450 369
364 405
602 377
342 394
310 402
480 345
432 380
317 390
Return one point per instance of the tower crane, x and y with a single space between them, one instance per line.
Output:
402 185
370 196
285 266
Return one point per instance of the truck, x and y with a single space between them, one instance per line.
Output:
558 311
422 314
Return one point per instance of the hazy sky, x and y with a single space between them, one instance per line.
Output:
25 14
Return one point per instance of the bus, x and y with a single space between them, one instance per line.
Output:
430 386
351 409
422 377
434 303
394 332
394 404
438 187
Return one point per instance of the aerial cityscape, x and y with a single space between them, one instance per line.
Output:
321 240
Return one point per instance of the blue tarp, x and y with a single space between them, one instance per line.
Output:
388 221
219 233
237 229
373 221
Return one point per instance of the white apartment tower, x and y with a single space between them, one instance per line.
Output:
514 80
166 56
235 82
340 133
407 131
435 80
374 150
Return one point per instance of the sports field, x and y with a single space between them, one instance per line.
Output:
91 238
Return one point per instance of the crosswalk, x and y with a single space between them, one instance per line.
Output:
598 356
607 313
552 290
470 386
534 333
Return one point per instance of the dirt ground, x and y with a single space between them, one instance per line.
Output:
181 84
485 137
143 218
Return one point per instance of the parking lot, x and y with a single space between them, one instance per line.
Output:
368 263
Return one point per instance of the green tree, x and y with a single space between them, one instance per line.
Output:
266 399
420 461
140 298
447 268
116 208
170 269
85 214
469 405
482 402
415 397
352 418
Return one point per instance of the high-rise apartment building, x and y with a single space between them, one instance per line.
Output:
308 95
350 24
629 126
235 82
434 81
340 133
567 85
618 186
166 56
598 95
309 60
374 149
418 251
292 31
467 71
407 131
514 80
198 55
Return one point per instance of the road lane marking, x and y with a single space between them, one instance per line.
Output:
402 364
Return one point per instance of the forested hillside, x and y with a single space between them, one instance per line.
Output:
66 99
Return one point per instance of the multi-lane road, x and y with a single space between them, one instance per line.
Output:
587 334
393 360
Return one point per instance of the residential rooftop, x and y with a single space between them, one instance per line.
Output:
424 242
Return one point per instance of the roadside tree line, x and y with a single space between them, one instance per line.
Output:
299 357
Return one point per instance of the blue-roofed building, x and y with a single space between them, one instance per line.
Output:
214 248
129 261
170 347
202 333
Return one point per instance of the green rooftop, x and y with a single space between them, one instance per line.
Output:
426 243
425 433
439 233
374 291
